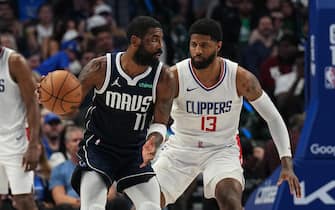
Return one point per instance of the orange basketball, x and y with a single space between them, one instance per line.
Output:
60 92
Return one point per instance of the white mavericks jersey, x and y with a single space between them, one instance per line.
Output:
13 138
209 115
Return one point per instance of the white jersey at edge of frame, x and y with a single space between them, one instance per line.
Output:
13 137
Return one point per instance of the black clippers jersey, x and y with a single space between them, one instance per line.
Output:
123 108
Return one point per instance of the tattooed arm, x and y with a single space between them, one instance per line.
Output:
92 76
166 89
247 85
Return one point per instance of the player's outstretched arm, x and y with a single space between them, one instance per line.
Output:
248 86
166 88
22 75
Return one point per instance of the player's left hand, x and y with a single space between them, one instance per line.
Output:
31 157
38 90
292 179
148 151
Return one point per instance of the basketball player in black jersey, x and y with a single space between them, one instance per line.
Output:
126 121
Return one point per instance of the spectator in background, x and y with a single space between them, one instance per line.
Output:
29 41
28 9
179 39
41 182
88 55
62 155
259 47
248 21
279 64
272 5
263 33
289 89
277 21
34 61
61 60
271 160
8 40
60 181
45 26
227 14
105 11
253 169
103 40
290 19
94 22
71 33
265 7
8 21
51 128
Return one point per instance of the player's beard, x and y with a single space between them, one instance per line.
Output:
145 58
205 62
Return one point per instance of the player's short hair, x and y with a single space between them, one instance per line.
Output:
140 25
206 26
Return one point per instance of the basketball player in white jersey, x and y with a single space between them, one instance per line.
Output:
206 112
18 157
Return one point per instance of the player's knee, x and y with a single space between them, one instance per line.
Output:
227 199
149 206
228 195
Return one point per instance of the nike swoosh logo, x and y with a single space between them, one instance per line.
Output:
19 137
190 89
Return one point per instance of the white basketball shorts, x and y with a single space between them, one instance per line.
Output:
177 166
12 173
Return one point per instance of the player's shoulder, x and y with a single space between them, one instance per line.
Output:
184 61
94 71
167 77
100 60
230 63
18 65
243 74
166 73
16 57
97 64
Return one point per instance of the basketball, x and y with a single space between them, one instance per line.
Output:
60 92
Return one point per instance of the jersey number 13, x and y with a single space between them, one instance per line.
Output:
208 123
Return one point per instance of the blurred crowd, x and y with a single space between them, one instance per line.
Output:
267 37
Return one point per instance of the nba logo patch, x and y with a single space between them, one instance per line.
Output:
330 77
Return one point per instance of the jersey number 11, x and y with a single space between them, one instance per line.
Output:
140 121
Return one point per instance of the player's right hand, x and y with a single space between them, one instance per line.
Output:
287 174
31 157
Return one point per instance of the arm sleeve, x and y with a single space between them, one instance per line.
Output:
275 122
